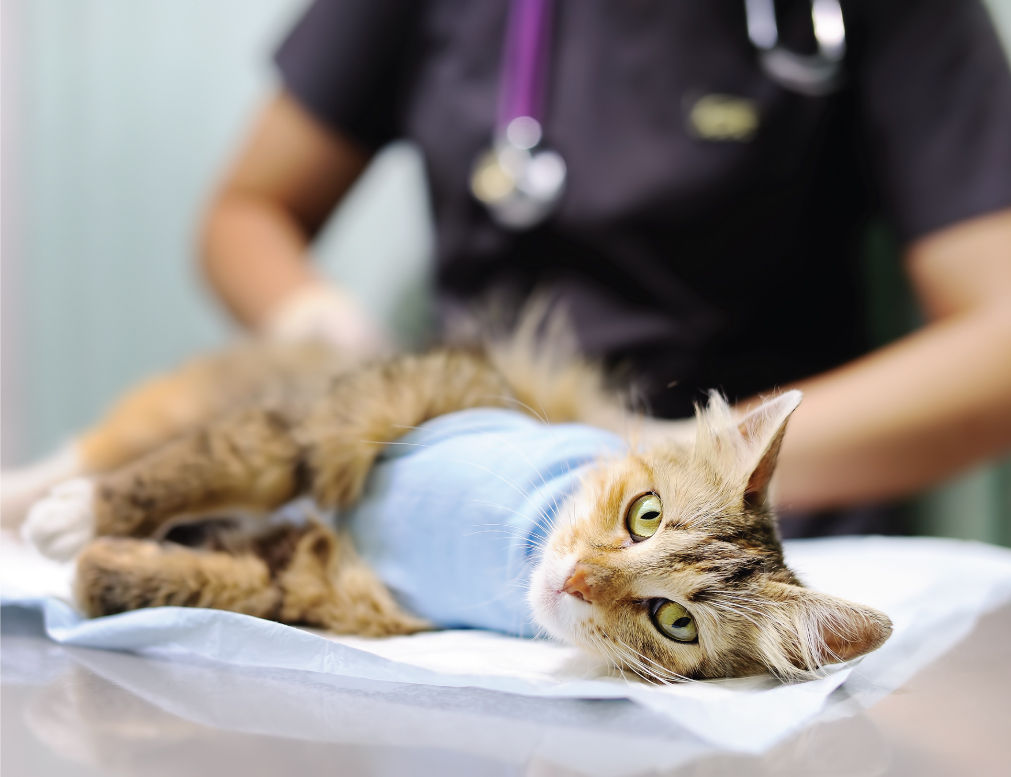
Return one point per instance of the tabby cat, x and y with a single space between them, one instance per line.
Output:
660 554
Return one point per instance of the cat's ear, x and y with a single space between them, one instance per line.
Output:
816 629
763 429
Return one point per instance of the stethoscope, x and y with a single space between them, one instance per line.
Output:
814 75
520 180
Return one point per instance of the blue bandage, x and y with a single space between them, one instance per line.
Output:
455 512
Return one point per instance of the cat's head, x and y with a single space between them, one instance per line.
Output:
668 562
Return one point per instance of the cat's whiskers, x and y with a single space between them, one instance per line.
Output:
541 416
395 442
657 667
556 505
467 463
491 528
633 660
554 499
614 650
537 546
541 632
610 655
582 487
503 594
504 480
549 514
515 532
500 477
409 427
662 674
504 531
640 658
521 581
542 512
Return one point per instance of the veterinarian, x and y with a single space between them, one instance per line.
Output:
693 181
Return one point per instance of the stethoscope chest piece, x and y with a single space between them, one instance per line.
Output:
518 180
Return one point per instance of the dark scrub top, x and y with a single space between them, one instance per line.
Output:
696 255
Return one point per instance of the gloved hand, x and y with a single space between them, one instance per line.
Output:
322 311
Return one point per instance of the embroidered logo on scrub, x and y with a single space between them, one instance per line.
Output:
722 118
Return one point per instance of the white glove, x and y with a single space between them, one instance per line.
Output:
324 312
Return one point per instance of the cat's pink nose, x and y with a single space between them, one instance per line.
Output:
577 585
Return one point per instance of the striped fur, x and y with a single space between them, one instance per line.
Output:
254 428
717 553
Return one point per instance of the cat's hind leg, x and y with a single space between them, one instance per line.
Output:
304 575
326 584
116 574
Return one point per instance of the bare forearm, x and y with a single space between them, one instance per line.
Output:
254 256
287 178
902 418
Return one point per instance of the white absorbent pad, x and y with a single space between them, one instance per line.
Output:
934 590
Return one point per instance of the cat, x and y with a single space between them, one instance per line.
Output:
662 555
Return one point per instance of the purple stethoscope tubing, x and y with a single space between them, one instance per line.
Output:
525 62
519 180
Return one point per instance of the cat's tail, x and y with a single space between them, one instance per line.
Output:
117 574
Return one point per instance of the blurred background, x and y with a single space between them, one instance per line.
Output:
117 118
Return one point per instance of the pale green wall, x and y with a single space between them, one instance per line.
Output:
1001 12
117 116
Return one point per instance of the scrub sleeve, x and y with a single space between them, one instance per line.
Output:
345 62
934 91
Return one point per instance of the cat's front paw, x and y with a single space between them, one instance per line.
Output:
21 488
63 522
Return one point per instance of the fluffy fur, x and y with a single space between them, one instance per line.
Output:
248 431
717 552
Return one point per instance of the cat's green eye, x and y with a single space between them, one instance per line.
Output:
643 517
674 621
